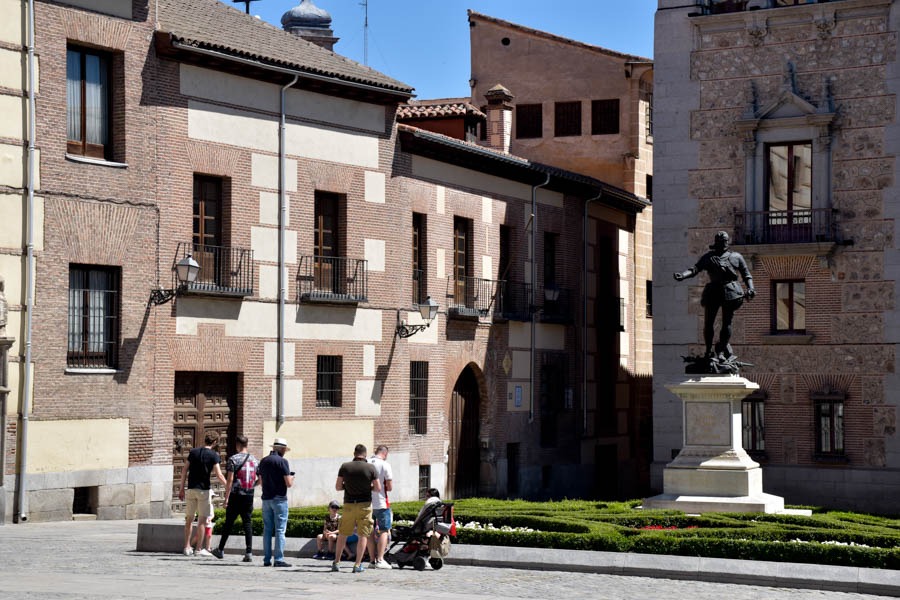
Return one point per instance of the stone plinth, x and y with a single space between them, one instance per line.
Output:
713 473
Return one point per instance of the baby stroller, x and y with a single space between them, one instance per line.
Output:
416 547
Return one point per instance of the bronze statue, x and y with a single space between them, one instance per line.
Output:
724 291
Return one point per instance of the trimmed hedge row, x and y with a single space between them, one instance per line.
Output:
853 539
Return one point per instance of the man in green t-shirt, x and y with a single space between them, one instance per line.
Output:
357 479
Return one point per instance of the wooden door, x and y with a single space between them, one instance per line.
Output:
203 402
460 261
207 227
326 240
465 454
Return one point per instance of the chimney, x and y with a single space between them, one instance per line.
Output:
499 118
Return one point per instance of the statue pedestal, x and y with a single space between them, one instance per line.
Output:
713 473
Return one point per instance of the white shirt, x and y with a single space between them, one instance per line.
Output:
383 470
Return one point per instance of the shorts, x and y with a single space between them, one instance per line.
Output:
383 519
197 502
357 515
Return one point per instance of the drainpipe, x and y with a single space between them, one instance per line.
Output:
533 303
584 295
29 281
282 284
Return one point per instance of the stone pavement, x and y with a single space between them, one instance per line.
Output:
81 560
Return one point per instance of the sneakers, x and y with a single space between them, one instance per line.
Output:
358 569
281 563
319 555
218 553
382 564
188 551
203 552
335 568
248 557
267 564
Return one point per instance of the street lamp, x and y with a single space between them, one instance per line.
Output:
427 310
186 270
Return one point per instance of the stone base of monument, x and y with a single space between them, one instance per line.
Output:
713 473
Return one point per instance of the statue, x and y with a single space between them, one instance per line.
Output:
724 292
4 308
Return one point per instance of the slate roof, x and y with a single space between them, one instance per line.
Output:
212 25
558 38
438 108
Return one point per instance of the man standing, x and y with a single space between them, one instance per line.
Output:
198 466
381 507
276 477
242 479
357 479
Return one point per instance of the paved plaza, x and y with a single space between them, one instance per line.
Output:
80 560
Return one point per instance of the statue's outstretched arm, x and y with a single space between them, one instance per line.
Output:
685 274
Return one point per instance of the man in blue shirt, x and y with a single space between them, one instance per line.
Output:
276 477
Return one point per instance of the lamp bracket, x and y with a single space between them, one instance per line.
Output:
161 296
405 330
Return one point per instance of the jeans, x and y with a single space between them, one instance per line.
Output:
238 506
275 517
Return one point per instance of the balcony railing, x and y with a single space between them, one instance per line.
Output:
516 301
419 286
809 226
557 305
224 271
717 7
332 279
471 297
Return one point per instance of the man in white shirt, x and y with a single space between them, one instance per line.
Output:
381 507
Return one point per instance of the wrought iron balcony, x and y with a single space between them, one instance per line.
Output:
716 7
516 305
471 297
809 226
332 279
557 305
224 271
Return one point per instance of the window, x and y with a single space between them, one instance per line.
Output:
326 240
462 255
605 117
753 428
829 415
649 297
418 397
207 240
567 119
550 244
424 481
645 93
329 370
93 317
420 288
789 307
529 121
649 185
790 180
88 105
504 263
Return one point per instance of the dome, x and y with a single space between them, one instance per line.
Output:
306 16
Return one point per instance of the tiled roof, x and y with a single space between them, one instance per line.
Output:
211 25
558 38
438 108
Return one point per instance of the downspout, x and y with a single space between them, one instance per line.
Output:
282 283
584 296
29 281
282 291
533 303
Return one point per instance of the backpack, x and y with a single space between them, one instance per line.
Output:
245 476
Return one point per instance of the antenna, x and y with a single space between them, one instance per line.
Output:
246 3
365 4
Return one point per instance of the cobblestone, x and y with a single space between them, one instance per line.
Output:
88 560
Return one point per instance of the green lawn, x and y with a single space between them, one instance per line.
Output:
827 537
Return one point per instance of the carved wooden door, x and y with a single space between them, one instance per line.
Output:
464 451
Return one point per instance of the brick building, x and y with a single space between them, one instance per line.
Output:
319 226
777 122
589 109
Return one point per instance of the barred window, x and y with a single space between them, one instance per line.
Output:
93 317
753 424
567 119
424 481
605 117
529 121
829 414
418 397
329 374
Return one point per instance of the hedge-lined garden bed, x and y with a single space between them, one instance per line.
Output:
827 537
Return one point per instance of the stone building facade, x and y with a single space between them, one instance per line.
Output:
279 169
777 123
589 109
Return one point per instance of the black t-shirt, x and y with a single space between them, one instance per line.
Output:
200 465
358 475
272 470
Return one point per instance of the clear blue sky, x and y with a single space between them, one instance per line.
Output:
425 43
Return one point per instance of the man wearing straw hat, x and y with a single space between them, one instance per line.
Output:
276 477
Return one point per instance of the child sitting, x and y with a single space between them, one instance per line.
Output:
329 532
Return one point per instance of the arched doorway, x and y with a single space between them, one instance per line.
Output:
465 454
